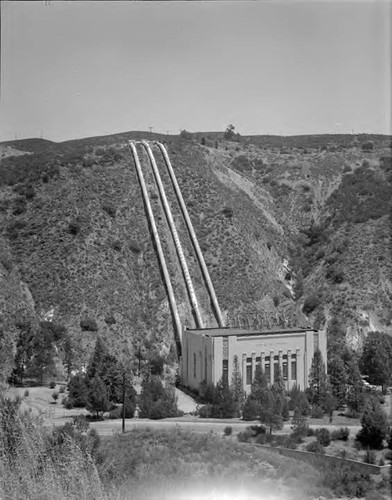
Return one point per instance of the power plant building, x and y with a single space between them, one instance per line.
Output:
208 355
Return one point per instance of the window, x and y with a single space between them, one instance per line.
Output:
194 365
249 371
205 364
285 372
267 369
293 367
276 370
225 370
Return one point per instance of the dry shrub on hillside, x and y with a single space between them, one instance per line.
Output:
34 466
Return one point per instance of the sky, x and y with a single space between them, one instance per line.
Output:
74 69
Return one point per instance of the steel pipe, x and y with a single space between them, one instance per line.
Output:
176 239
200 258
162 261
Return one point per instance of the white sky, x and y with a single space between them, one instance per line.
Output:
77 69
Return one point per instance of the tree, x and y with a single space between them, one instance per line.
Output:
78 389
355 392
237 388
271 410
68 355
317 380
328 402
376 359
229 133
251 409
374 425
338 378
97 399
157 401
300 425
223 405
259 384
278 387
299 400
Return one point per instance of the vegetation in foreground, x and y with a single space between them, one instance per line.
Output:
71 462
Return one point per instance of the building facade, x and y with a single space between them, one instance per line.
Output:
209 354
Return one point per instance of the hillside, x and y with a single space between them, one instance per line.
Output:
282 222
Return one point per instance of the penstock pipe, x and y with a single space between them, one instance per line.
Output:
162 261
199 255
176 239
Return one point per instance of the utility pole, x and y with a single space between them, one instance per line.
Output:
123 401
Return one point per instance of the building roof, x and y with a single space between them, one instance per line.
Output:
237 332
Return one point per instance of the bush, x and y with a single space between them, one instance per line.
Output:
204 411
88 325
244 437
55 396
62 390
250 410
110 319
310 432
228 431
370 457
228 212
74 228
26 393
317 412
315 447
324 437
110 210
52 385
341 434
367 146
310 304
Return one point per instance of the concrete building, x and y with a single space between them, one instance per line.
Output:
208 354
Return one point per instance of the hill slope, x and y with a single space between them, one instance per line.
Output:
280 224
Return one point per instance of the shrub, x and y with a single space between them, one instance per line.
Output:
88 325
317 412
52 385
341 434
244 437
110 319
228 212
62 389
26 393
324 437
315 447
310 432
204 411
367 146
228 431
110 210
370 457
134 247
310 304
55 396
250 410
73 228
116 245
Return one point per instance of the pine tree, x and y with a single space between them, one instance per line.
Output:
338 378
68 355
237 387
317 380
78 389
251 409
271 410
278 385
97 399
299 425
259 384
374 425
223 405
96 360
376 359
355 393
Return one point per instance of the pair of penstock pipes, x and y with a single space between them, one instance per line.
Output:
173 230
